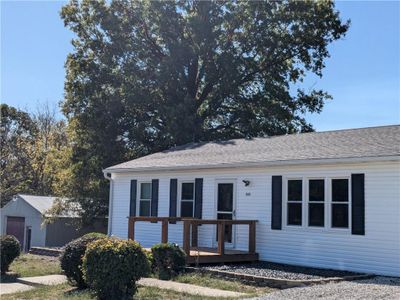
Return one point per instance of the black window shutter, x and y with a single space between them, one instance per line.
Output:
276 200
154 197
173 189
198 197
132 202
357 204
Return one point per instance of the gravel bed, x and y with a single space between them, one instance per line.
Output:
274 270
387 288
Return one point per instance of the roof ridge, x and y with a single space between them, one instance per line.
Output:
281 135
374 141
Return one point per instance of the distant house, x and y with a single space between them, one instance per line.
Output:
323 199
24 215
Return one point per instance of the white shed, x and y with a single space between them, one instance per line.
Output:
23 217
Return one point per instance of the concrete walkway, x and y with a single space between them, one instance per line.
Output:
43 280
27 283
188 288
13 287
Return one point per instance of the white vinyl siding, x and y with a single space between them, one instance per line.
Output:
375 252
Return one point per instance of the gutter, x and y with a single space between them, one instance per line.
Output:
110 203
257 164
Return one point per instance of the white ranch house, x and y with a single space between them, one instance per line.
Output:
328 199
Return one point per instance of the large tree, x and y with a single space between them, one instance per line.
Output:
16 143
33 147
147 75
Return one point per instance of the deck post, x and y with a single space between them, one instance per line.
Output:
195 235
164 231
131 228
252 237
186 237
221 238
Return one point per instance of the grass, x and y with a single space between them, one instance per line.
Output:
207 280
35 265
27 265
66 292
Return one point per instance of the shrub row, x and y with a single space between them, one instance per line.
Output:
71 258
111 266
168 260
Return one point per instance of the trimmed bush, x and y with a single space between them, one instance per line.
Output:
150 259
71 258
10 250
112 266
168 260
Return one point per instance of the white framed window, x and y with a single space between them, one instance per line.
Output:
340 203
316 202
144 203
186 207
294 204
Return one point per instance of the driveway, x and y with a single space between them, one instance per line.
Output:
370 289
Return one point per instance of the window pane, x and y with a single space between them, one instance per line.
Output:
294 213
316 190
316 214
295 190
145 190
340 215
225 196
144 209
187 191
340 190
187 209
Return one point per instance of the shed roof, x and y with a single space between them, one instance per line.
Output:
372 142
43 203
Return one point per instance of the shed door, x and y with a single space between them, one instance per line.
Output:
15 227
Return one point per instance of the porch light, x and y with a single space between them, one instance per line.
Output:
246 182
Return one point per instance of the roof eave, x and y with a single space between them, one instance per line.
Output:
257 164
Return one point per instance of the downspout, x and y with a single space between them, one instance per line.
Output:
110 203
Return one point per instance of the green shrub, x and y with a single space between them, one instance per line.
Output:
150 259
168 260
112 266
71 258
10 250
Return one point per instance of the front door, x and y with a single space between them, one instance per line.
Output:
16 227
226 209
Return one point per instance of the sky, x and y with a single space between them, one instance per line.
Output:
362 74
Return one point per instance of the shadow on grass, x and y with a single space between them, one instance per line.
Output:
9 277
76 292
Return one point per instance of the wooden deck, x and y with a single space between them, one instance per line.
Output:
203 255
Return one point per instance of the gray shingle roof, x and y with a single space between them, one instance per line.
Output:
44 203
373 142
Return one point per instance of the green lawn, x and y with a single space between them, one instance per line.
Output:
27 265
35 265
66 292
222 284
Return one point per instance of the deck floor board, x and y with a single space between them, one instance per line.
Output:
205 255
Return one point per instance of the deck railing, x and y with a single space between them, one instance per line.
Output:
190 231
